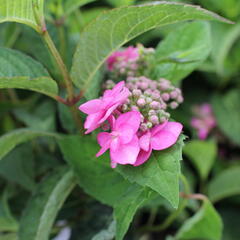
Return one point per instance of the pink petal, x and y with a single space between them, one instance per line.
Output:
126 134
143 156
144 141
90 107
167 136
158 128
104 140
91 122
115 143
126 153
108 113
132 119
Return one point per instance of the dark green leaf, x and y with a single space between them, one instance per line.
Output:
42 208
160 173
226 109
72 5
224 185
205 224
98 42
18 167
183 50
202 154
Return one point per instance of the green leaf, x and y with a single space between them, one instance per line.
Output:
226 109
7 221
10 236
16 137
224 185
98 42
17 70
183 50
97 179
18 167
106 234
202 154
42 208
21 11
205 224
161 172
44 85
121 3
72 5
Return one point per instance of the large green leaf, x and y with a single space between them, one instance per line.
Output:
226 109
202 154
21 11
205 224
16 137
116 27
42 208
161 172
18 70
71 5
182 51
224 185
97 179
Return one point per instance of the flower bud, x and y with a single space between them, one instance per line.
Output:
180 99
165 97
163 119
174 94
141 102
149 125
154 119
155 105
151 112
148 100
143 127
135 108
136 92
173 105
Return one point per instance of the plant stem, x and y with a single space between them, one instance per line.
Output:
62 67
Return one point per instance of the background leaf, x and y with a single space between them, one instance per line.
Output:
202 154
183 50
97 43
226 109
160 173
18 136
225 184
205 224
44 205
21 11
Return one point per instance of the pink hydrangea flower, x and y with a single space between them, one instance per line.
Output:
99 110
204 121
160 137
122 141
129 54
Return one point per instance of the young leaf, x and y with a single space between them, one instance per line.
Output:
21 11
160 173
42 208
182 51
202 154
224 185
97 179
98 42
226 109
16 137
205 224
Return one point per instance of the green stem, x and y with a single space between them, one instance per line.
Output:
62 67
62 41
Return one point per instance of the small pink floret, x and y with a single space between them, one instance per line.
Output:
99 110
160 137
122 141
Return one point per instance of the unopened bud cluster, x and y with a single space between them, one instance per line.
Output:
129 62
151 98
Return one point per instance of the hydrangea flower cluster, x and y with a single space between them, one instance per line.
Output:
204 120
133 113
129 62
151 98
